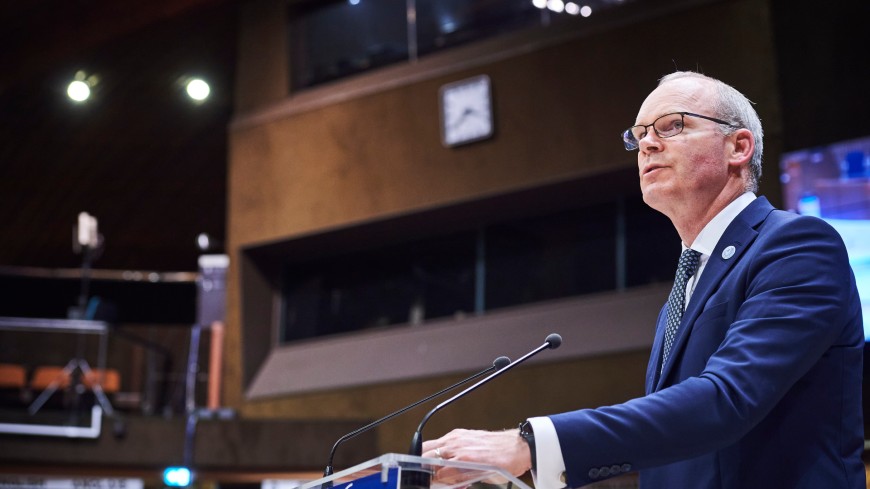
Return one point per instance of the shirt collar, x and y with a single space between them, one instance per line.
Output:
709 236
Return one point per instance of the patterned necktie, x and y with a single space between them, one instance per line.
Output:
677 300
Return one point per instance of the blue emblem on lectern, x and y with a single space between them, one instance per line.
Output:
374 481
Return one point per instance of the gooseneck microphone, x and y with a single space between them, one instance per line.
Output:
497 364
552 342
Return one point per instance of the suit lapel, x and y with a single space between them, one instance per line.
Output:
739 235
655 358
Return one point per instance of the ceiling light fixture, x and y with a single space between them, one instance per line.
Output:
556 5
79 90
197 89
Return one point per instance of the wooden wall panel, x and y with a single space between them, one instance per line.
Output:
559 113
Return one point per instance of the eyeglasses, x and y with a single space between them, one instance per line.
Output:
666 126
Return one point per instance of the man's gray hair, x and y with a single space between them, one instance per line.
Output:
734 107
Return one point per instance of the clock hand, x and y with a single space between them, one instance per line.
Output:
467 112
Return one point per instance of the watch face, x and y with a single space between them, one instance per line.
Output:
466 111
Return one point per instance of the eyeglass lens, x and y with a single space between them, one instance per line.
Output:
665 126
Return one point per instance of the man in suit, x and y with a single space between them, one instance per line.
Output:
754 380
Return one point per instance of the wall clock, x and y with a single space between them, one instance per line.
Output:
466 111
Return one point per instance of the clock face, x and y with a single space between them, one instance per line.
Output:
466 111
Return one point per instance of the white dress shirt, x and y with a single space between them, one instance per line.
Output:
550 473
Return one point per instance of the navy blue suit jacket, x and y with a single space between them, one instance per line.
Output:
763 385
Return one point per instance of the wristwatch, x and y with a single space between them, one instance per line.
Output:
527 434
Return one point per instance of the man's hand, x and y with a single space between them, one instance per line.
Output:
503 449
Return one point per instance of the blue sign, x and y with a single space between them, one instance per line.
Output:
373 481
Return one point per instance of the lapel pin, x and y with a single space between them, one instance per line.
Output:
728 252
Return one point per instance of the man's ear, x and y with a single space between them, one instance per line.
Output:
743 146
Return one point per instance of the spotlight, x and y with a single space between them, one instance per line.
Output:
177 476
541 4
572 8
79 90
586 11
197 89
556 6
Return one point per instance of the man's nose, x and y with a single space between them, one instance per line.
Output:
650 141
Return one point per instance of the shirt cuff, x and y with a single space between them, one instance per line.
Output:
548 455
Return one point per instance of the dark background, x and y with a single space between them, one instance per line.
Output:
140 156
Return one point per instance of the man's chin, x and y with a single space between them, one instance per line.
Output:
654 198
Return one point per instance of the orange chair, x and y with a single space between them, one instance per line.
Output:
109 380
12 376
44 376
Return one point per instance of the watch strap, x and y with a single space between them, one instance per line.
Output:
528 435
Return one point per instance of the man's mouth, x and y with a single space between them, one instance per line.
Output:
652 167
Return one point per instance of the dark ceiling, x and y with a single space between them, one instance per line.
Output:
140 156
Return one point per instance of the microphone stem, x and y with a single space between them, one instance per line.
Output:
417 441
329 468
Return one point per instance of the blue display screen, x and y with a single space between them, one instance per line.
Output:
833 182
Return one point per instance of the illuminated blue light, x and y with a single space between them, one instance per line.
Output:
177 476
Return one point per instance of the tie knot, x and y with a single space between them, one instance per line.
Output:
689 260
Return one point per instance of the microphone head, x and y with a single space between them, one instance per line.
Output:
553 341
501 362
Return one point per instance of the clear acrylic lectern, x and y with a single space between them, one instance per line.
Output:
397 471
